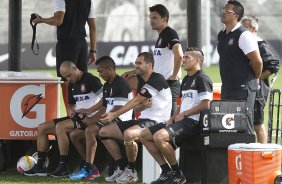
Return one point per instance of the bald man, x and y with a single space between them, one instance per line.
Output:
85 90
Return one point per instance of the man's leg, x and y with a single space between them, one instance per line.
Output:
62 129
171 137
77 137
259 119
88 170
113 148
107 134
261 133
147 140
43 131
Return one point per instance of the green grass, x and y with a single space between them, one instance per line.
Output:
12 177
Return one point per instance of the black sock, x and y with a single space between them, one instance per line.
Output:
41 159
165 168
88 166
64 160
131 165
121 163
176 169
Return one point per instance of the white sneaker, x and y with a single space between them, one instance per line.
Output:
127 176
118 172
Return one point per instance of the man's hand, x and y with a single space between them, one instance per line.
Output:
179 117
108 117
128 74
174 78
147 103
169 122
38 19
71 112
91 58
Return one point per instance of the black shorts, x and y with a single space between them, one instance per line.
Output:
182 130
175 90
143 123
58 120
74 50
153 129
261 98
101 124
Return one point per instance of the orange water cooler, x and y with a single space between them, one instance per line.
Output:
254 163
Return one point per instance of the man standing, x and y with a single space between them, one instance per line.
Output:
70 17
168 51
270 66
153 98
84 91
162 139
240 63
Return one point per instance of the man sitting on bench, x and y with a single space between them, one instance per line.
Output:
162 139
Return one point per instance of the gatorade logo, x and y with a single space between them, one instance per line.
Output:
19 108
205 120
238 162
228 121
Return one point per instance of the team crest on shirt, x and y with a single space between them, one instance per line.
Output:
231 41
160 42
143 91
82 88
193 83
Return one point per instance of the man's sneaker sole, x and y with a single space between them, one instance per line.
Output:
56 176
92 177
36 174
131 181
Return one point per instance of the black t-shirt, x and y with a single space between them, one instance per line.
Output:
85 92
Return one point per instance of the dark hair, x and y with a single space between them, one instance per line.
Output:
148 57
106 62
161 9
238 8
198 53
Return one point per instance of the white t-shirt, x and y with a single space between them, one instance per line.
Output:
59 5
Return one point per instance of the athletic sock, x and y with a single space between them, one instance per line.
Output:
41 159
121 163
165 168
131 165
176 169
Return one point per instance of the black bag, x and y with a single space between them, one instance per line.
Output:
227 116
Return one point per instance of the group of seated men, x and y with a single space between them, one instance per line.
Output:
104 112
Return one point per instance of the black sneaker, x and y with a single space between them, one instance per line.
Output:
164 177
176 179
61 171
36 171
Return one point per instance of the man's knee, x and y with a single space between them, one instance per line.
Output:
103 132
144 135
90 130
45 128
161 136
128 135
